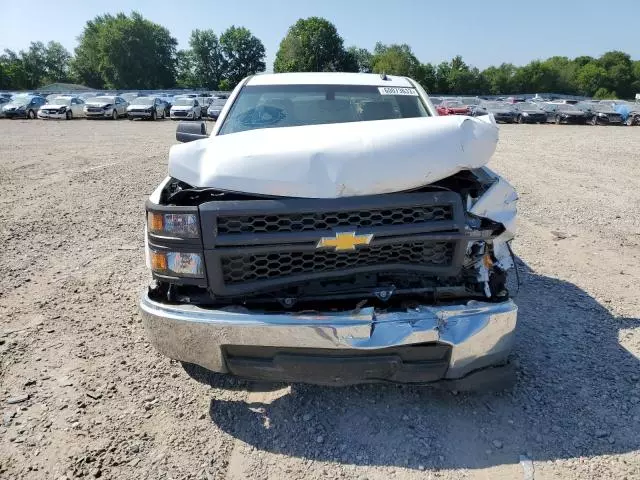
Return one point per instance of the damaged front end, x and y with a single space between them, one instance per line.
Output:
335 252
444 242
415 280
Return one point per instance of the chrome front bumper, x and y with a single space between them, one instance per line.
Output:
480 334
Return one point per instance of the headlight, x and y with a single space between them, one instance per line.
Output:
525 114
106 107
62 109
21 107
177 263
180 225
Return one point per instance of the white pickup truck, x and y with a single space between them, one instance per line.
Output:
333 229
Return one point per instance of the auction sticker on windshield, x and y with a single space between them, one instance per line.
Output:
397 91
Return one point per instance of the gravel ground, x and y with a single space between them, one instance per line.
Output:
82 394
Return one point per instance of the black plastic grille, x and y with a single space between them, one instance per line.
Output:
301 222
270 266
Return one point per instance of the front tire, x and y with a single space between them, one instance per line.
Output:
520 119
69 115
558 121
114 114
594 120
154 115
31 114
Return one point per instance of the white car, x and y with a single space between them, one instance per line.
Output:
106 107
62 107
334 229
185 108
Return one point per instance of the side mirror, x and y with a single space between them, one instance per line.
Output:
190 131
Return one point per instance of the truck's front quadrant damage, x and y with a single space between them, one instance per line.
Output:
355 247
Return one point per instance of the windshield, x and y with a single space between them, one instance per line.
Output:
103 100
271 106
496 105
527 106
567 107
143 101
21 99
218 102
183 102
60 101
470 101
452 103
603 107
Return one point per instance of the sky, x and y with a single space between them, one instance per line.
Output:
484 32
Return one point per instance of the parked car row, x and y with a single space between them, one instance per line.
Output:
130 105
515 110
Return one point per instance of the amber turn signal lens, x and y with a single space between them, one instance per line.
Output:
155 222
488 262
158 262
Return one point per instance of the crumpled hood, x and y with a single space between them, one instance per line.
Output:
337 160
182 108
139 106
51 106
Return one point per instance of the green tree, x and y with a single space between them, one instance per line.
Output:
428 80
208 61
395 59
443 71
362 58
313 45
589 78
564 74
126 52
619 72
33 61
57 61
185 71
500 79
225 85
243 54
462 80
12 73
604 94
536 77
85 65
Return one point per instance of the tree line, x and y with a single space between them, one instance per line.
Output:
130 52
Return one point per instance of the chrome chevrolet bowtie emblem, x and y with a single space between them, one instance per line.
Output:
345 241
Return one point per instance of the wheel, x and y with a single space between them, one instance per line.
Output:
69 115
130 118
594 120
114 114
31 114
558 120
520 119
154 115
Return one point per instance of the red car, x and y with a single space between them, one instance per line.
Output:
453 107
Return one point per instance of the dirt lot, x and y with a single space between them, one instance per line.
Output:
84 395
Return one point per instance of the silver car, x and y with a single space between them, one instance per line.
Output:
106 107
146 107
23 106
